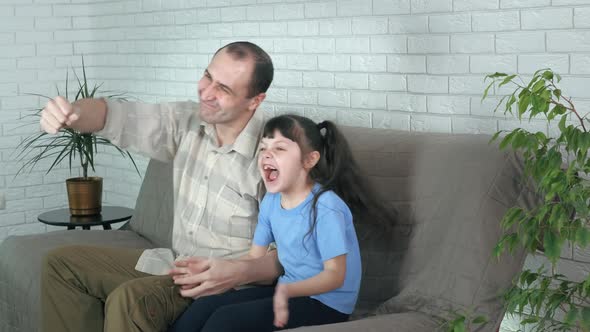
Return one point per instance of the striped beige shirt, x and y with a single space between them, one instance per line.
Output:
216 188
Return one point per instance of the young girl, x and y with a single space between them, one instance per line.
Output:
312 184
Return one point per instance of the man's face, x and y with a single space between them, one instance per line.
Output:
223 90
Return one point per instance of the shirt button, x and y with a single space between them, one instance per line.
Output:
190 233
206 177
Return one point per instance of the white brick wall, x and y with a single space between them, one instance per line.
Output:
405 64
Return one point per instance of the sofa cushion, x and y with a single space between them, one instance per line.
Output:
402 322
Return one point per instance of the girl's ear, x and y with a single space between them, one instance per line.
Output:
311 159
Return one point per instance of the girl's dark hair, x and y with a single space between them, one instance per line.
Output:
336 170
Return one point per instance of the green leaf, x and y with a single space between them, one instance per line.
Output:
480 320
571 315
509 103
552 245
583 236
523 104
86 95
561 124
495 136
459 325
529 320
548 75
585 321
538 86
508 139
506 80
485 92
495 75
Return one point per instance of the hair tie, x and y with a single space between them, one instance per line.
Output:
322 125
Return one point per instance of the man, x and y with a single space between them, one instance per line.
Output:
216 185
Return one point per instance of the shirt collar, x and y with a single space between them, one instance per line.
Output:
247 141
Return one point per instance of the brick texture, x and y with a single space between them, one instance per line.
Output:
404 64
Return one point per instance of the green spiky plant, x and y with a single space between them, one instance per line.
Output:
560 167
68 143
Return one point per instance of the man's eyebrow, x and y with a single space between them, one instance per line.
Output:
219 83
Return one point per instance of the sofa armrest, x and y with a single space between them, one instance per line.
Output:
20 269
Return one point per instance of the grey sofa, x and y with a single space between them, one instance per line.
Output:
450 192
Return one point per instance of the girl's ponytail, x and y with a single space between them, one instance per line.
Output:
338 171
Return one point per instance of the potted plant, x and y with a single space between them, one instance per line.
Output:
559 166
84 193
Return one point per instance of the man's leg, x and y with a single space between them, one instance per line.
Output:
75 282
144 304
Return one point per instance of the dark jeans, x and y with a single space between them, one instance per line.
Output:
251 310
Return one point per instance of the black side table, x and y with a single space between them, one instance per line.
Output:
108 216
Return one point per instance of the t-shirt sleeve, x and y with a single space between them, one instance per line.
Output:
331 234
263 233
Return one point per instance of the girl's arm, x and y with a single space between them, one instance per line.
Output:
330 278
256 254
256 251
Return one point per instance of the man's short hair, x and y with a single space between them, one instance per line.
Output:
263 68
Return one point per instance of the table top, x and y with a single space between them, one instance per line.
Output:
108 215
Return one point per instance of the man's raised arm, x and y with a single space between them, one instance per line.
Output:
84 115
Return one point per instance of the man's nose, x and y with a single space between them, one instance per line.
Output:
208 92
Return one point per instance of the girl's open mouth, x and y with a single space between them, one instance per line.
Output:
270 173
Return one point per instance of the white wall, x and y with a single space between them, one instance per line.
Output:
404 64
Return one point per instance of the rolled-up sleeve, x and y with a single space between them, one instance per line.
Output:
153 130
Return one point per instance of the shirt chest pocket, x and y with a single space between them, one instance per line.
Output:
237 213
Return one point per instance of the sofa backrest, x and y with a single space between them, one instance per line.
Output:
154 209
450 192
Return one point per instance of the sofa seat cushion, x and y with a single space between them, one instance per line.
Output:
20 269
401 322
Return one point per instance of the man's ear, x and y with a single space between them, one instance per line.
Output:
256 101
311 159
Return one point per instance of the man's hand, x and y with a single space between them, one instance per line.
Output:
57 114
199 276
280 304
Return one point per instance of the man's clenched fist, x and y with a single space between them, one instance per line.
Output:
57 114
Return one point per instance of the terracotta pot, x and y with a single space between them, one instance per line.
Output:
84 195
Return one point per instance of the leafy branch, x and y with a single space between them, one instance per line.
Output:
559 166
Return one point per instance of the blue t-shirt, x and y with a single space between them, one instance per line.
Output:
334 235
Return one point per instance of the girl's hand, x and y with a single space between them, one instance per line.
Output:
281 305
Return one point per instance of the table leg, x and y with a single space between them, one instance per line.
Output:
106 226
71 227
86 227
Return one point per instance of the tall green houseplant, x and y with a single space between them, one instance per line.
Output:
560 167
84 193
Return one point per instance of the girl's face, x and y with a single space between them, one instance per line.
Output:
280 164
